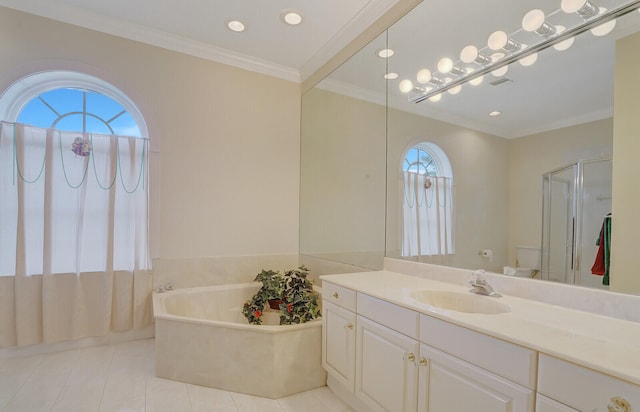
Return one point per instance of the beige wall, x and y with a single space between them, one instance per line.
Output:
532 156
625 228
226 178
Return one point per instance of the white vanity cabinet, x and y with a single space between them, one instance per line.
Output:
471 371
583 389
339 334
403 361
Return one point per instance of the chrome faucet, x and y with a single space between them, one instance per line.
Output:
480 286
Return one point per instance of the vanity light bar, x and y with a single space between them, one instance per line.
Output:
420 95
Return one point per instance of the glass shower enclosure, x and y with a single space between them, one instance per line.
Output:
576 200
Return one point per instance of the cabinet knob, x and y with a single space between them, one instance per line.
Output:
619 404
335 295
424 362
349 326
411 357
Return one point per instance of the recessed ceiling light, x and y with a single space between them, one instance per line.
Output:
495 113
384 53
391 76
236 25
291 17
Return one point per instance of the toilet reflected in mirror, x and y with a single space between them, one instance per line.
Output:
527 263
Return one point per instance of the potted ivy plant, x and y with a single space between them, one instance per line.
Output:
291 293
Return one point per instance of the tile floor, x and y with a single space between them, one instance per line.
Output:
121 377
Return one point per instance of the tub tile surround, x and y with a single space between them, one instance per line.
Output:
318 266
203 339
608 344
220 270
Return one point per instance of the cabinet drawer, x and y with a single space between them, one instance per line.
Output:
585 389
395 317
338 295
510 361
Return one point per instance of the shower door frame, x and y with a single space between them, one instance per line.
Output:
575 273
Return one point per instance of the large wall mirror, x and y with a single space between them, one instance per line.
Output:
474 167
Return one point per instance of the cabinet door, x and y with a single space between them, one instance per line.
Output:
453 385
544 404
386 371
339 343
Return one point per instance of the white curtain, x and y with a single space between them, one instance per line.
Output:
74 256
427 217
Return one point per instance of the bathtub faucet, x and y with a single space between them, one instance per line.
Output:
480 286
167 287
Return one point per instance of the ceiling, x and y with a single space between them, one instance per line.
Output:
562 88
198 27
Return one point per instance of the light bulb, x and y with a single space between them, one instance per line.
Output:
391 76
436 98
445 65
471 54
565 44
476 81
385 53
236 25
405 86
424 76
584 8
291 17
572 6
604 28
455 90
497 40
501 71
534 21
529 60
500 40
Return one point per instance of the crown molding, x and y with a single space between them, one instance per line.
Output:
372 12
93 21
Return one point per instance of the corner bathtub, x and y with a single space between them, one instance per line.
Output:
202 338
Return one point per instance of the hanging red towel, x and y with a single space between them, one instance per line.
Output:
599 267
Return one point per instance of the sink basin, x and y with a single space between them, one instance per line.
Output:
460 302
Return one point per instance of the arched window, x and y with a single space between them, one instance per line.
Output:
74 209
427 203
71 101
73 177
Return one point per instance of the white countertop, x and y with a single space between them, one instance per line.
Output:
605 344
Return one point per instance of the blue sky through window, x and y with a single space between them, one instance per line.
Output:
419 161
63 109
